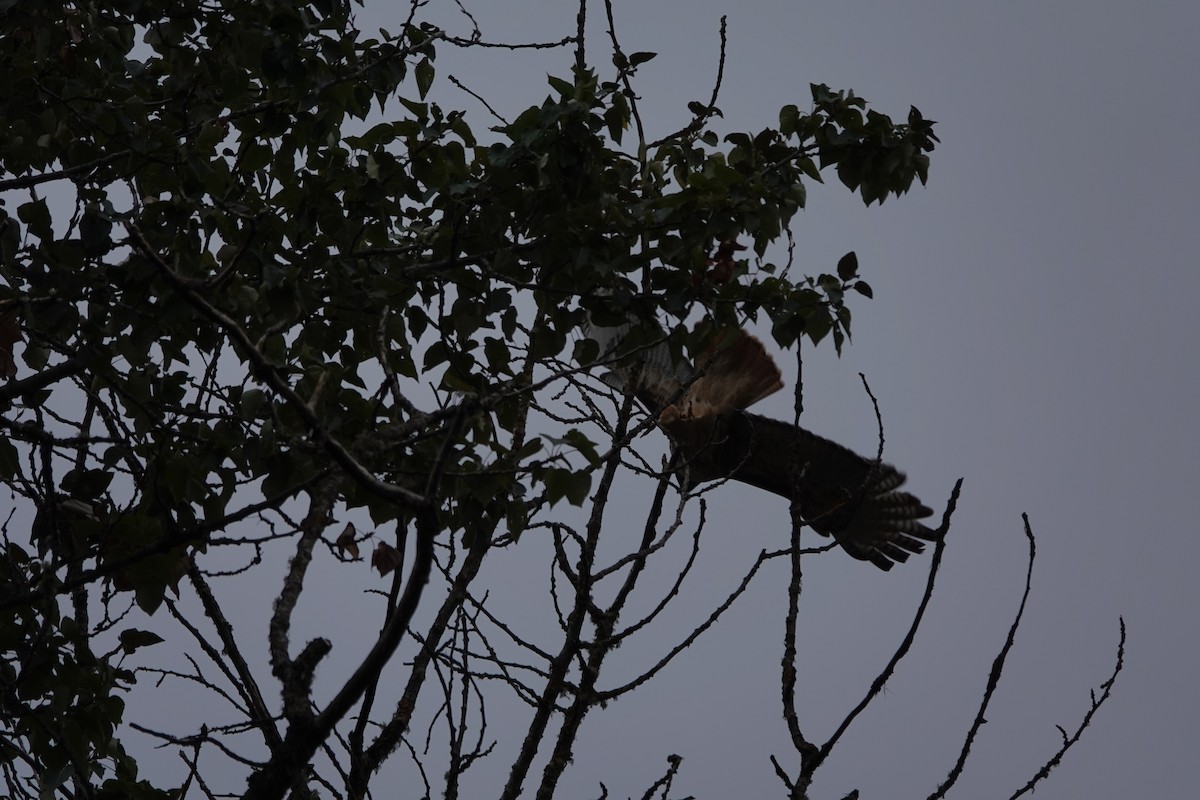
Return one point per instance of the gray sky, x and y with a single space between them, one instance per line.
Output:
1030 332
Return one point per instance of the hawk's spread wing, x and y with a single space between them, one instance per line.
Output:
840 493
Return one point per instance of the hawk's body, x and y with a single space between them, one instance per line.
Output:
839 492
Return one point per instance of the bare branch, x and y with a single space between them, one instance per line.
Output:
697 123
716 614
571 641
1071 740
995 674
886 673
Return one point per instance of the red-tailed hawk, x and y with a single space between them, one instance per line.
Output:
702 410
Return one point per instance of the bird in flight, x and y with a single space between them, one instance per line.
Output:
701 408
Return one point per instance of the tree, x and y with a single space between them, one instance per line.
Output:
267 305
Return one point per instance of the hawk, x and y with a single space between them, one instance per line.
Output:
701 408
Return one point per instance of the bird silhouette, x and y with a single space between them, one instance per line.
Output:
702 409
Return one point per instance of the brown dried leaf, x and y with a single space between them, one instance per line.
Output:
347 543
385 558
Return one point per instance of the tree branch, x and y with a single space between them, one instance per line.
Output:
1070 741
886 673
995 674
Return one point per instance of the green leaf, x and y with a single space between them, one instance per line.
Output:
578 488
616 118
36 214
10 463
86 483
438 353
546 342
517 518
35 356
498 356
457 383
132 638
95 229
563 87
530 448
424 76
565 483
818 325
789 115
252 403
847 266
51 782
586 351
577 441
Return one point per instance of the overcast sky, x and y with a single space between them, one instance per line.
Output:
1031 332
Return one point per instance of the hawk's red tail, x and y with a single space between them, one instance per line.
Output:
736 372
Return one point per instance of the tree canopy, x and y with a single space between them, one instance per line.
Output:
258 278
